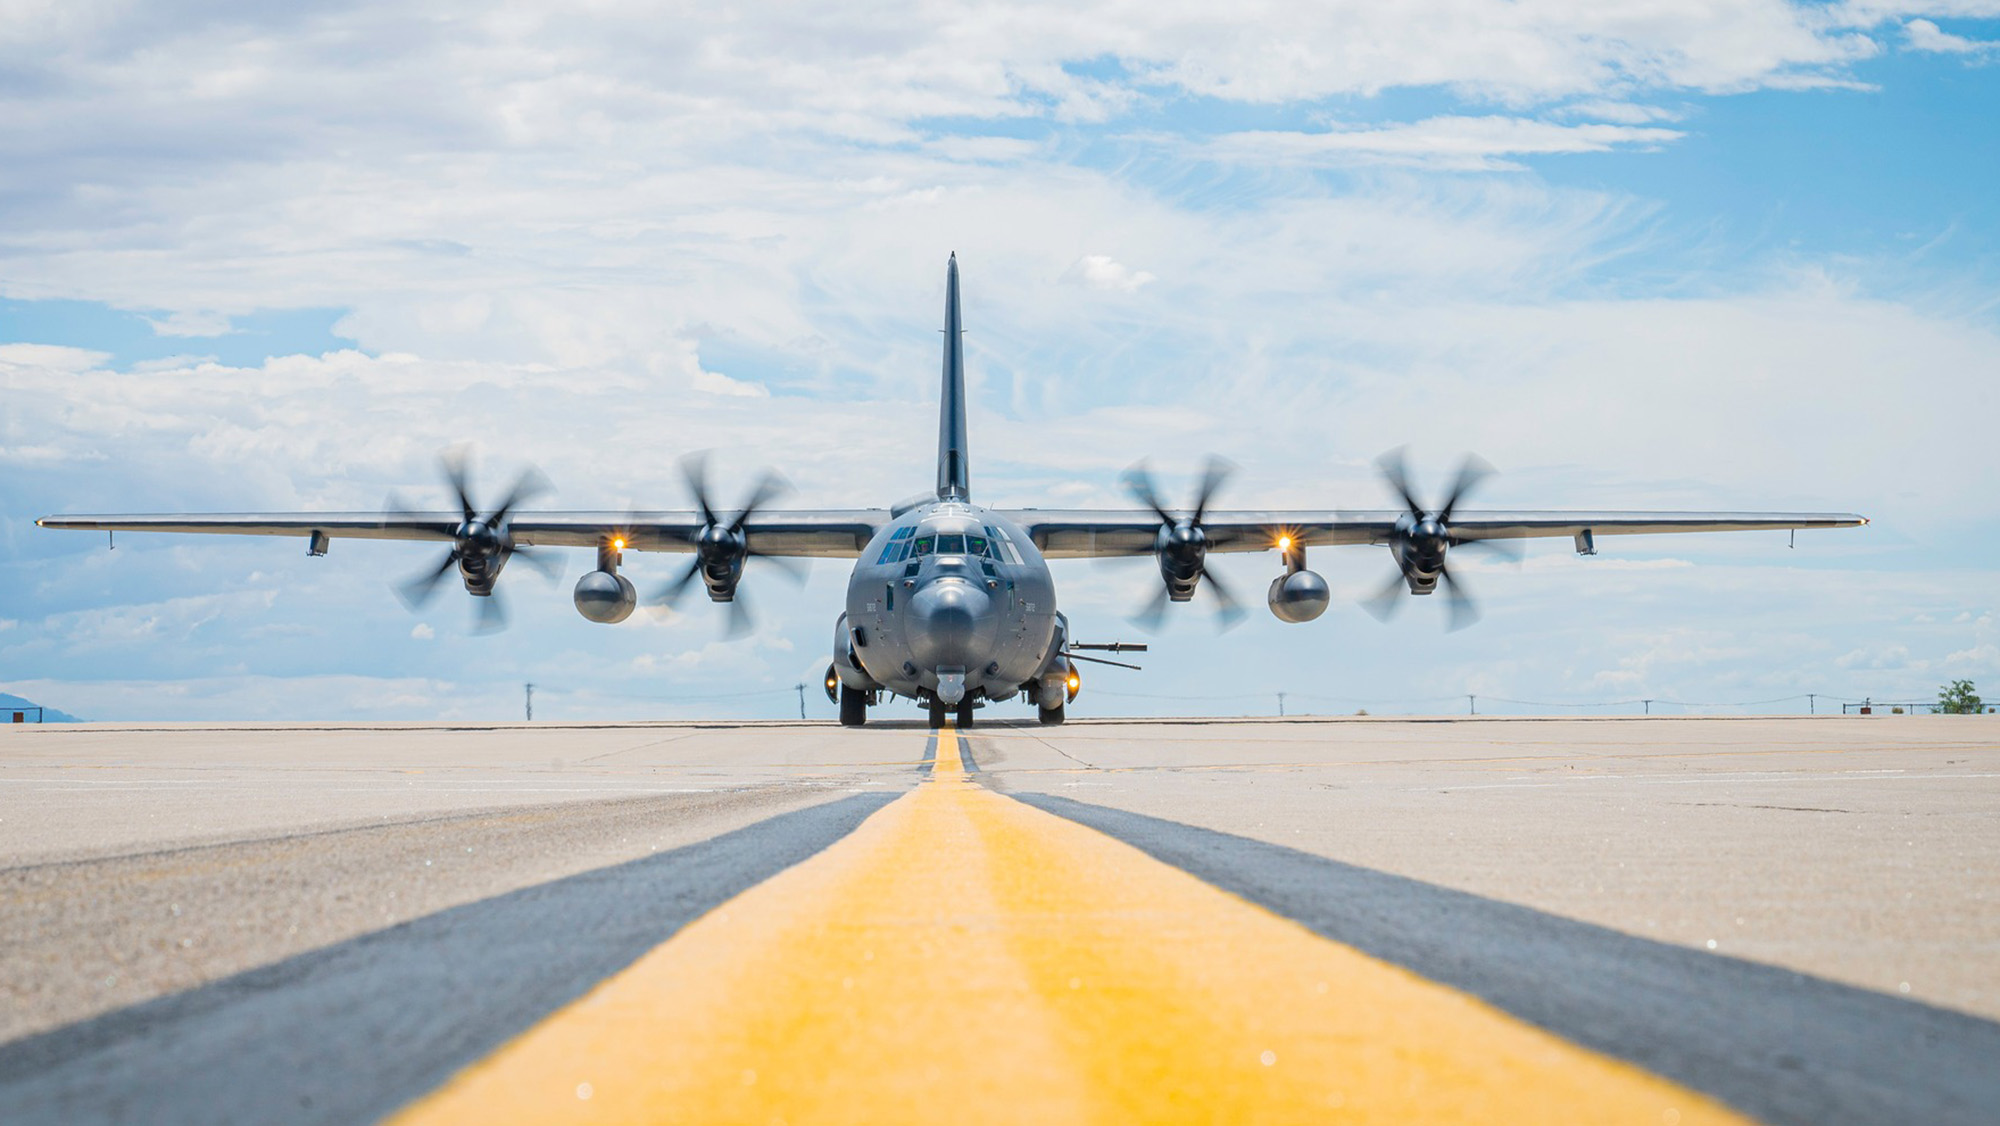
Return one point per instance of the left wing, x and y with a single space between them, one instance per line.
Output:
1079 534
810 533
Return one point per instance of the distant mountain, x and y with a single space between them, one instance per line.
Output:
11 704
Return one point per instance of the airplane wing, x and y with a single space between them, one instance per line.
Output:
1078 534
818 533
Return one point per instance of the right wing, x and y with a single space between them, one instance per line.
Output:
1076 534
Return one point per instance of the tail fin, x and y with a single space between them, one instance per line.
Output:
954 479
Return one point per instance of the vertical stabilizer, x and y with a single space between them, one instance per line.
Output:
954 479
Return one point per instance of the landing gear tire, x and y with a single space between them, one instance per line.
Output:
937 715
965 713
1050 716
853 707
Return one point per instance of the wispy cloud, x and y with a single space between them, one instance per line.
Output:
1452 142
1923 35
1101 271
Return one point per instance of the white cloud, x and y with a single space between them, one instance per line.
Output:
22 357
422 632
1623 113
1101 271
1445 142
191 323
1923 35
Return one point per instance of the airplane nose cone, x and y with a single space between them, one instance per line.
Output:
952 625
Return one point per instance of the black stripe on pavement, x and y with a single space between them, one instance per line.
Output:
1776 1044
351 1032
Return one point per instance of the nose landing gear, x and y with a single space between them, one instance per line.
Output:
961 714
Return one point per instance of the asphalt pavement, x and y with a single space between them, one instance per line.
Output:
1682 920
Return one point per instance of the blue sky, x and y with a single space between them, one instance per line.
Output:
1637 256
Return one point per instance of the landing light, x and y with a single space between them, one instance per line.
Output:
1284 543
618 543
1075 681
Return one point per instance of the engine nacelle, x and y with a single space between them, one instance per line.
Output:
1299 597
606 597
846 668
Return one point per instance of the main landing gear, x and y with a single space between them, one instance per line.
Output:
1050 716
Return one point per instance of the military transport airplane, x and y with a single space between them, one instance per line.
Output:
950 603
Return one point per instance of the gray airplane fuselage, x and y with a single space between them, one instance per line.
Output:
951 601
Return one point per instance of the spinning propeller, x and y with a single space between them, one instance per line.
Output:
1182 547
480 545
1423 536
721 548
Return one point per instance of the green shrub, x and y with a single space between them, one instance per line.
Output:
1958 698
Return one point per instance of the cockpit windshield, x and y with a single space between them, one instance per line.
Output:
948 543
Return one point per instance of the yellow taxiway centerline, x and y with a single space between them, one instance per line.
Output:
964 957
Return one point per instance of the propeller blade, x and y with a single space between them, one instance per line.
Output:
544 560
1508 550
1149 617
456 470
1218 471
1471 471
1464 610
671 594
492 614
694 468
741 620
1398 476
531 483
768 487
395 510
1139 482
418 591
1228 611
1384 603
793 569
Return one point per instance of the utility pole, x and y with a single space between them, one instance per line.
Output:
1281 705
1812 703
531 701
801 686
1471 704
1649 706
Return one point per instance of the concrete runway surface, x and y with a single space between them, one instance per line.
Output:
1643 920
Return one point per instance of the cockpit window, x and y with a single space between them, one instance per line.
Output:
1003 548
951 545
898 547
975 545
925 545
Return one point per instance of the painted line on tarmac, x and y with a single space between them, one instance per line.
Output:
1780 1045
965 957
352 1031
